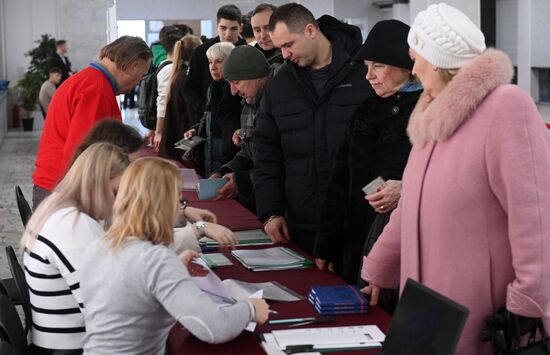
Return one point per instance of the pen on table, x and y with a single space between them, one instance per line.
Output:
291 320
313 321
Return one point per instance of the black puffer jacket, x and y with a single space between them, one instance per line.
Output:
297 134
375 144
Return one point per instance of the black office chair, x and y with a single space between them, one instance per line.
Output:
19 278
12 336
24 208
8 288
6 348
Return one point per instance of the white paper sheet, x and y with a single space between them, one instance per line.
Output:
330 337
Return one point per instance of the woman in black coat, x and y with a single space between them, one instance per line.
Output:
179 114
375 144
221 116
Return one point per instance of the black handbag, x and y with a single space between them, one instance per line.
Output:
504 330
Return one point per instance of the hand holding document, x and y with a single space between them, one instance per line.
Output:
207 189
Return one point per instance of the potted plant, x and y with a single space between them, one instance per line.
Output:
28 88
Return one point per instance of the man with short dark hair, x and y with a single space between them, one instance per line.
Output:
168 37
198 79
301 121
260 26
60 60
48 89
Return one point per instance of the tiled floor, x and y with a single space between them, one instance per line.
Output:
17 155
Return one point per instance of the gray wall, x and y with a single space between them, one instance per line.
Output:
81 23
507 29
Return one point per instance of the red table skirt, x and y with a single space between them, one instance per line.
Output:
182 342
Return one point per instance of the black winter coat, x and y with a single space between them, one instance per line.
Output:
179 118
225 110
297 133
199 78
375 144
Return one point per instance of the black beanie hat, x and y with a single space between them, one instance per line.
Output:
387 43
245 63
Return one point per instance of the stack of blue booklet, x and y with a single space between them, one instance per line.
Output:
335 300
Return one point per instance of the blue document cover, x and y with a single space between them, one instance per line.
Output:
207 189
340 312
341 296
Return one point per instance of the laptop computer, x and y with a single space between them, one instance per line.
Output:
424 323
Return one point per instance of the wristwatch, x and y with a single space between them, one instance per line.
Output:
200 225
184 203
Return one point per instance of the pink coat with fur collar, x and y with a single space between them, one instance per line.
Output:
473 221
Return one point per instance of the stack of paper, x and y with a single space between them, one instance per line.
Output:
341 299
215 260
278 258
328 339
251 237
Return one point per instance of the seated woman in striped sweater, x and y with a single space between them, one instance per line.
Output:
54 242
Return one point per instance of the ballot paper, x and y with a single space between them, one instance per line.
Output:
271 290
373 186
213 287
328 338
231 291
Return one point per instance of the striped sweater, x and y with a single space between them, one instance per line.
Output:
52 273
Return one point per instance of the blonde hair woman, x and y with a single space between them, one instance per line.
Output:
132 281
54 242
472 222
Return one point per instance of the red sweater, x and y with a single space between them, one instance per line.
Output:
77 105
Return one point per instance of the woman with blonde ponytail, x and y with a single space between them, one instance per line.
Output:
54 242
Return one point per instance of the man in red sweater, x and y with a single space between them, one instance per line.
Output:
80 102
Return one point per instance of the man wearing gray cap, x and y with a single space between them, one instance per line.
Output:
247 71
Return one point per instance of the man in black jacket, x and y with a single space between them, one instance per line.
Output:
199 79
59 60
260 27
302 118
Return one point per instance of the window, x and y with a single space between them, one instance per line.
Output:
544 85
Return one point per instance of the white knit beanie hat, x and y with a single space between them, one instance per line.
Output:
445 37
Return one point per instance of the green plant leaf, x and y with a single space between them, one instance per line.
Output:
28 88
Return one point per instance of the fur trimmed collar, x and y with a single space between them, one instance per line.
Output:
436 120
